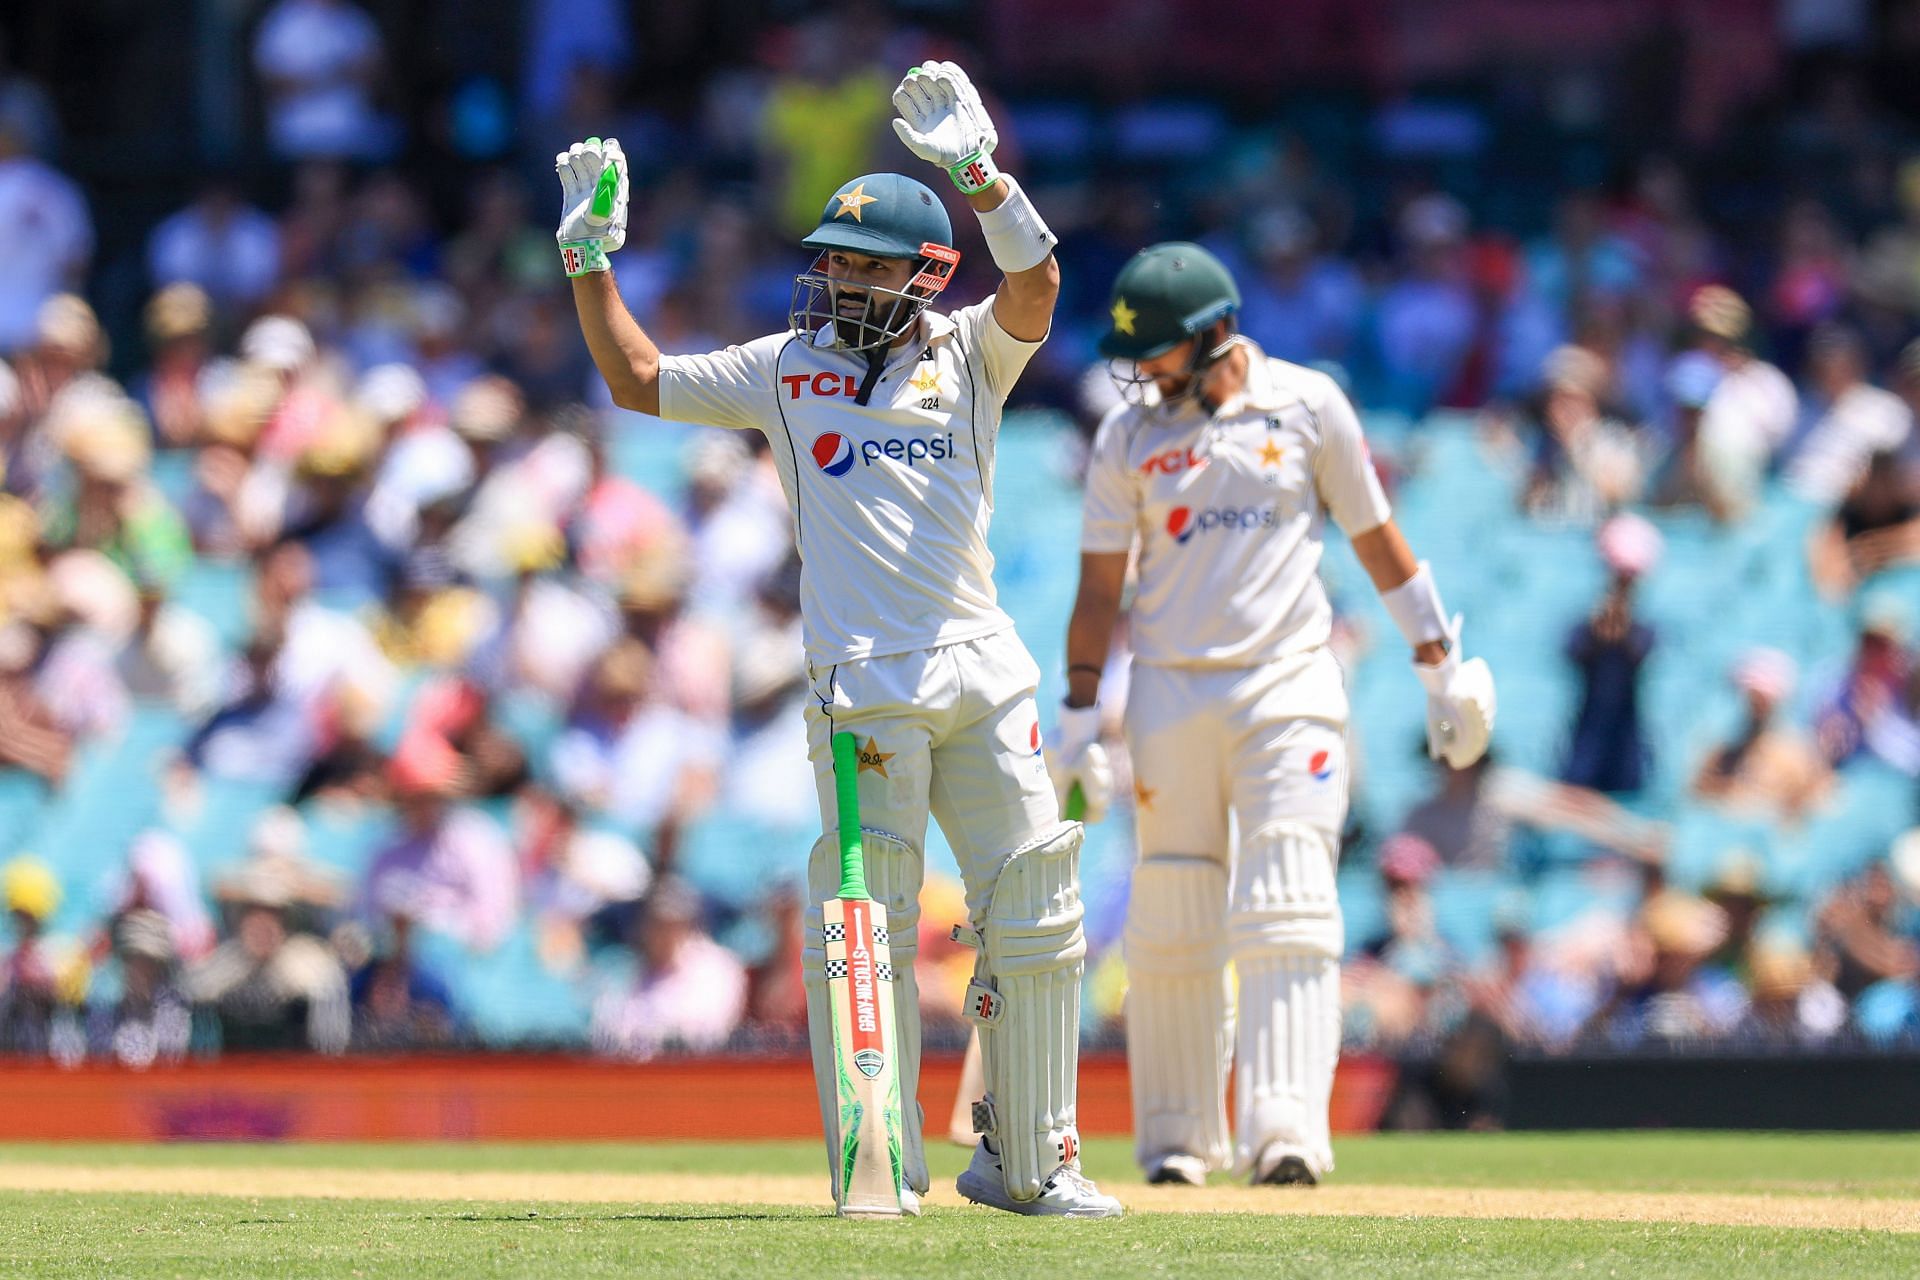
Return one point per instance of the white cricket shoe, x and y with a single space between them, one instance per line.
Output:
1179 1170
1069 1193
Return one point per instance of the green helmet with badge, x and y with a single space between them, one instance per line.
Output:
879 215
1166 294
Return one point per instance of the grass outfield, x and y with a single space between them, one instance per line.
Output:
1454 1205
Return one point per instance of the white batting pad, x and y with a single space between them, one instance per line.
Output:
1287 937
1179 1009
894 870
1033 954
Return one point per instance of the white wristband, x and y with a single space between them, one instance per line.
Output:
1016 237
1415 608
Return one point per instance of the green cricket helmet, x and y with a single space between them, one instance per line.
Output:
1166 294
881 215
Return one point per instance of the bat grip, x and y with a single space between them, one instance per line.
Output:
846 784
1076 804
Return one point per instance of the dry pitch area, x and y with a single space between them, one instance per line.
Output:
1481 1205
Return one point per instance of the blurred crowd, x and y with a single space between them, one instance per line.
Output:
347 538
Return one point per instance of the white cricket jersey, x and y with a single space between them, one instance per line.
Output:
890 500
1228 510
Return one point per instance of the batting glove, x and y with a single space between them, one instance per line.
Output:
1460 708
1080 759
593 204
943 122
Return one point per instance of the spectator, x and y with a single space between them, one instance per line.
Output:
1871 712
1464 821
31 737
687 991
320 61
1427 318
1855 934
450 867
1585 465
1665 992
398 1004
1854 420
161 878
173 656
1608 750
46 236
137 1012
31 977
1793 1007
179 323
633 757
1766 771
1300 304
1877 528
220 244
824 117
271 986
574 873
1750 412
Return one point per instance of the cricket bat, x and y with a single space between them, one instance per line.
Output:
860 992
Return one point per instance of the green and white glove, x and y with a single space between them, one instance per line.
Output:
593 204
943 122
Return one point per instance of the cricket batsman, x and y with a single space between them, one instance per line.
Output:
883 413
1221 467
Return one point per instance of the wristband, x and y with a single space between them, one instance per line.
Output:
1415 608
975 173
580 257
1016 236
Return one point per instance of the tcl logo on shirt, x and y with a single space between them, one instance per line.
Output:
821 384
834 453
1172 462
1184 522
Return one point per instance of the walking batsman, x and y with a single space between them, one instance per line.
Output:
1221 468
883 414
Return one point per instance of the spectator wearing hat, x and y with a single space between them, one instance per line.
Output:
450 868
1792 1006
327 512
1298 303
1749 414
117 509
1682 479
1766 770
687 991
1607 749
1665 992
691 658
1426 319
1585 465
33 985
172 658
137 1013
271 986
179 321
1852 420
1871 712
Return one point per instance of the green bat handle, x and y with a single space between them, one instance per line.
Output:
846 783
1076 804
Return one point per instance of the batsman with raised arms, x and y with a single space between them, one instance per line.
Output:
1221 468
883 414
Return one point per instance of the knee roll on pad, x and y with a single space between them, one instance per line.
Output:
894 872
1026 999
1284 899
1287 938
1179 1008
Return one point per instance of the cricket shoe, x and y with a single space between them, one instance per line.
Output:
1282 1166
1069 1193
1178 1170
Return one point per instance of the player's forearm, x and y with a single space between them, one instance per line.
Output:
623 353
1389 561
1090 630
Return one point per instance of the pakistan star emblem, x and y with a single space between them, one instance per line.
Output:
872 757
927 384
1270 456
1123 316
854 201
